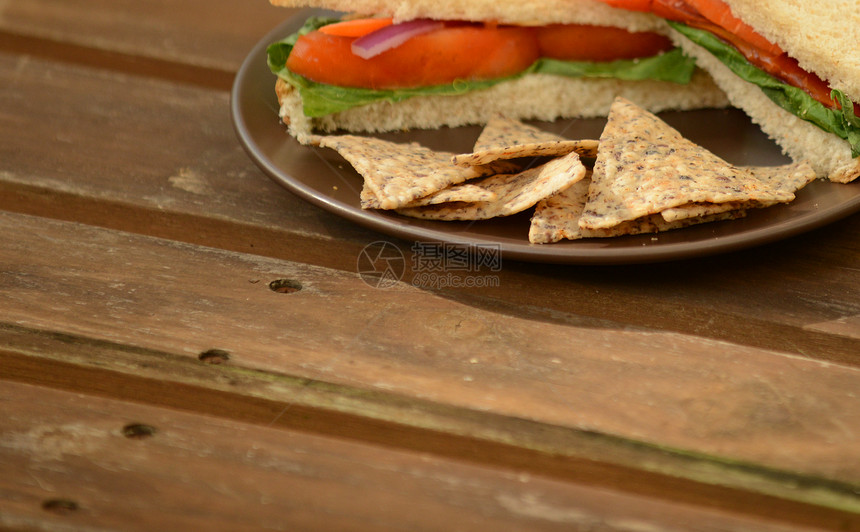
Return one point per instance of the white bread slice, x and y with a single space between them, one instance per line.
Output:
523 12
534 96
824 38
828 154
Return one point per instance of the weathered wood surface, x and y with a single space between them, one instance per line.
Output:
195 41
722 384
89 463
665 395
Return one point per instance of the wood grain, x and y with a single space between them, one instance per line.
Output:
664 390
588 459
192 472
156 37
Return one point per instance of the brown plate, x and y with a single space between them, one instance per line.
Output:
323 178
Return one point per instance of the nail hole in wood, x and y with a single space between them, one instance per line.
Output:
285 286
214 356
60 506
138 431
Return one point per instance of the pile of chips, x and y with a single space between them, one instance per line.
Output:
645 177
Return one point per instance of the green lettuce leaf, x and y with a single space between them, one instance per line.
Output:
671 66
320 99
840 122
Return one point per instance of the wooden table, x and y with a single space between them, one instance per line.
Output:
184 345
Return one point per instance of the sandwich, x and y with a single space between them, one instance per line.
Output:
793 67
391 65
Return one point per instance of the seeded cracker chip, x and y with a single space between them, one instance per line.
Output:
368 198
504 139
462 192
515 192
397 174
788 178
696 210
644 166
500 132
557 218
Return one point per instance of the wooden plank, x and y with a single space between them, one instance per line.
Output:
84 462
212 34
172 149
585 458
208 192
662 391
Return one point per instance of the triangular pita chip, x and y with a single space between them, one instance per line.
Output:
696 210
368 198
397 174
505 139
788 178
502 131
462 192
557 218
644 166
515 192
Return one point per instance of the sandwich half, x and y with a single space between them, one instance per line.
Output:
459 62
792 66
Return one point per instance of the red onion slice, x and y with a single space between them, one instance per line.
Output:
376 42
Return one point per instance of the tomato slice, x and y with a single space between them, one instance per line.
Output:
457 51
716 11
631 5
356 27
720 14
779 65
576 42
